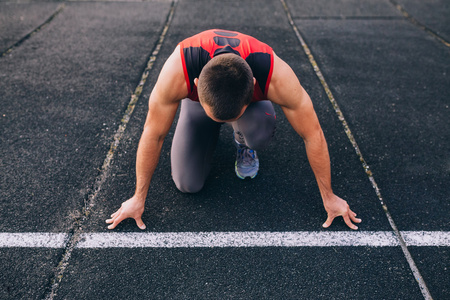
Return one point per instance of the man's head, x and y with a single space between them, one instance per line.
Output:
225 87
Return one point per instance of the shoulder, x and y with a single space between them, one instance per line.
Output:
173 67
284 85
171 83
281 71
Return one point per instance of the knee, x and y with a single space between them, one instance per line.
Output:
259 139
187 185
257 128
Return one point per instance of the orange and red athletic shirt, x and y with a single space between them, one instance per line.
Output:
197 50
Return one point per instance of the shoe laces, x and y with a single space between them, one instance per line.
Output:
246 156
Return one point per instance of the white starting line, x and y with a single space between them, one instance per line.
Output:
226 239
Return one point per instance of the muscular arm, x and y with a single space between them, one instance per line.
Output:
285 90
159 119
163 104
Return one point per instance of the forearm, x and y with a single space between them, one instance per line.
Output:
319 160
146 161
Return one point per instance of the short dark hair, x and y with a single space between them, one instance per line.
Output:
226 85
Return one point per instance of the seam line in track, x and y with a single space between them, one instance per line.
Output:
74 236
349 18
29 35
418 277
418 24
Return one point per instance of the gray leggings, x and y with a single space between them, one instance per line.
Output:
196 137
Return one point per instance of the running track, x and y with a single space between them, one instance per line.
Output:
68 146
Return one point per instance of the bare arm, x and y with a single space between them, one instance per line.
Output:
286 90
163 104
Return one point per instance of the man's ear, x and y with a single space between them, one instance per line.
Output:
254 81
196 82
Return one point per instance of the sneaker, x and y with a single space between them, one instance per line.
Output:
247 163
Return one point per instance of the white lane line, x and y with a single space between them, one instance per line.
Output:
236 239
227 239
426 238
33 240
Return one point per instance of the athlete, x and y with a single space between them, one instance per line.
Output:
222 76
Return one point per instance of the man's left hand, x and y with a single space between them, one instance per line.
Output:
335 207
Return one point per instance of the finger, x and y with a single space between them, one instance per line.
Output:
352 212
112 218
116 222
349 223
328 222
355 219
117 212
140 223
112 226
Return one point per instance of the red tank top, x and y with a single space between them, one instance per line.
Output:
197 50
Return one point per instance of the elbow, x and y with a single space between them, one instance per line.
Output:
150 135
316 136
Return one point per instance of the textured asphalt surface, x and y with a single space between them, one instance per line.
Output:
67 73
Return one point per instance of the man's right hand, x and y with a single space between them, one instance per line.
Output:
132 208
